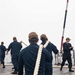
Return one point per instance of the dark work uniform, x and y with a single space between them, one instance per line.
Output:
15 48
2 53
66 55
28 58
51 48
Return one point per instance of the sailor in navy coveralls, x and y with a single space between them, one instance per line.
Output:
2 54
15 48
50 48
67 48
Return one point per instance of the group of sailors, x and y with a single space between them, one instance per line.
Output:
26 57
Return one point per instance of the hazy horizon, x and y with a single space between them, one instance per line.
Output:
20 17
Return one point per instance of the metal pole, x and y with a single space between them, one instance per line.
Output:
74 56
62 38
64 26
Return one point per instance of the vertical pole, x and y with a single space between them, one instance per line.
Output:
74 56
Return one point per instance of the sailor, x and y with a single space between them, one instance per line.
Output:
67 48
15 48
50 48
28 56
2 54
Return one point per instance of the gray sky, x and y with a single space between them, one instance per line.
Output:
20 17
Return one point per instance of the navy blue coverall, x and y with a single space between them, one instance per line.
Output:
15 48
67 55
28 57
2 53
51 48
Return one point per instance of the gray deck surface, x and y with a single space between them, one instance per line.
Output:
56 71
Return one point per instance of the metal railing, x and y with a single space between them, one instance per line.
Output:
58 58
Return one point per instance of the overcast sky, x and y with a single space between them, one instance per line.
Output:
20 17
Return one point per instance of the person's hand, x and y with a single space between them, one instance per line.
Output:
6 53
71 47
20 41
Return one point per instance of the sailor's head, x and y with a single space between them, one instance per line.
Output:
68 39
33 37
2 43
43 37
14 39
